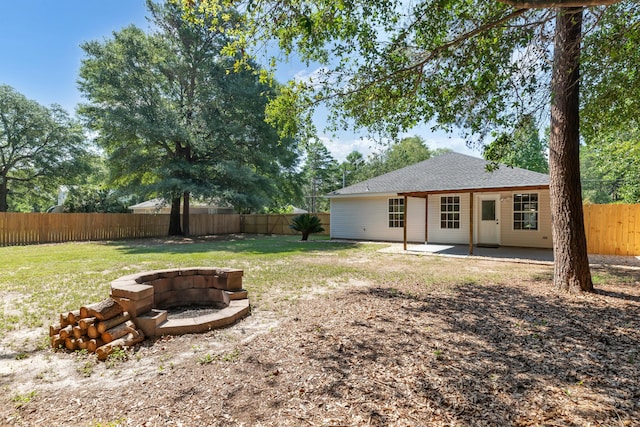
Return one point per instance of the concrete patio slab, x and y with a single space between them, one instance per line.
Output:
506 252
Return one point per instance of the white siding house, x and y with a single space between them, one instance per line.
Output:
449 199
367 218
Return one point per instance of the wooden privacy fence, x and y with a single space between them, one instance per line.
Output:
278 224
32 228
612 229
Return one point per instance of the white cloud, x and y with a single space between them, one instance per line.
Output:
341 146
457 144
315 78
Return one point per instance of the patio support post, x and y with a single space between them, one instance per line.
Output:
471 223
426 218
406 205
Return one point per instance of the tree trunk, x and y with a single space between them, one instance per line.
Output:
102 310
174 218
185 214
4 190
571 265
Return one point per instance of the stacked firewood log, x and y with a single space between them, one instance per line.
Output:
99 328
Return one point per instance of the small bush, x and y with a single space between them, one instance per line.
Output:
306 224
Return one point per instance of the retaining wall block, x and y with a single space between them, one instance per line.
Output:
162 285
135 307
182 282
130 289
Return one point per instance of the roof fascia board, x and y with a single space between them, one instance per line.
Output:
361 195
475 190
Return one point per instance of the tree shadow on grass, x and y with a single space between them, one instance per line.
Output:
237 243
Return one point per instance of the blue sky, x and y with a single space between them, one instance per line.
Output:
40 57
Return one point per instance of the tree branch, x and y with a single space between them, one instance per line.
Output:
550 4
468 35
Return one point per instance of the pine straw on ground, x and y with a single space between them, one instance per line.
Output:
476 354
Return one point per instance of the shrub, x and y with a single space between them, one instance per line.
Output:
306 224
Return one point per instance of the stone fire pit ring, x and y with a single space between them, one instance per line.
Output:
149 296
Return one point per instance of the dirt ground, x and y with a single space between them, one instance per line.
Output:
365 353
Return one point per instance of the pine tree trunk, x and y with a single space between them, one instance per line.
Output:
174 218
571 271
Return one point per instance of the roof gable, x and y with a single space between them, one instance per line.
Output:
446 172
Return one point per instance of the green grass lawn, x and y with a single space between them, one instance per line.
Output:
39 282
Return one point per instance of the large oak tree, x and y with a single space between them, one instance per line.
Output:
479 65
40 148
176 122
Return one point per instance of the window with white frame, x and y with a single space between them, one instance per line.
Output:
396 213
525 211
450 212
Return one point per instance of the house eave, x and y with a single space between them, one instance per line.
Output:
360 195
475 190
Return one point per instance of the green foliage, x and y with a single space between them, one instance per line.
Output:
20 400
611 81
477 65
113 423
611 168
306 224
93 199
610 158
523 148
396 156
117 357
320 175
175 122
390 65
232 356
40 148
206 359
86 364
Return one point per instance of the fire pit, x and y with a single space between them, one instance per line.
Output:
152 296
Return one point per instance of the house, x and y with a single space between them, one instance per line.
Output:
159 206
448 199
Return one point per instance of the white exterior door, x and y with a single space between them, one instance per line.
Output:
488 220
